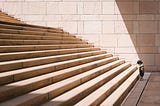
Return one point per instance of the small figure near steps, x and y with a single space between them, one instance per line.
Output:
141 69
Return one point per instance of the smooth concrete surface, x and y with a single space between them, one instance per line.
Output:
146 91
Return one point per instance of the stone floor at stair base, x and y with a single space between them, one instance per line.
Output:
146 91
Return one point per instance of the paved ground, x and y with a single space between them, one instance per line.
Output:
151 94
145 92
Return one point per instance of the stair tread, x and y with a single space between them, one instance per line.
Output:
110 101
35 37
13 48
35 79
6 16
103 91
46 57
3 30
64 82
67 97
40 78
39 51
56 86
37 42
32 54
46 65
28 25
10 89
27 28
41 45
40 40
23 63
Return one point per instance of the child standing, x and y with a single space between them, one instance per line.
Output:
141 69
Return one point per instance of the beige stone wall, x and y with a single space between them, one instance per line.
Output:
129 28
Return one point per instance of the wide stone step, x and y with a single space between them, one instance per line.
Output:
7 26
98 96
50 67
38 42
5 17
26 32
16 75
31 26
6 78
4 31
37 37
73 96
10 20
121 92
46 93
22 48
24 86
33 54
24 63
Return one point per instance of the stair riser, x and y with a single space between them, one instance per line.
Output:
17 91
45 70
44 30
29 87
28 28
67 87
56 92
19 65
12 31
10 20
36 101
60 67
120 100
17 56
10 27
81 70
108 92
9 79
36 37
7 17
38 42
4 49
86 92
22 24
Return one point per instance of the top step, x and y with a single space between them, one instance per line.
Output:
8 18
8 21
16 22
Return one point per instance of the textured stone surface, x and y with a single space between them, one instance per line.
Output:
94 19
151 94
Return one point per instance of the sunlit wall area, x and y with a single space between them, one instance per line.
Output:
128 28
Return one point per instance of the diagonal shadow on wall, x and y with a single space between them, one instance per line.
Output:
141 19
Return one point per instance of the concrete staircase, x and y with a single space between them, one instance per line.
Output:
8 18
49 67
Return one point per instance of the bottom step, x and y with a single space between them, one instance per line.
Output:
98 96
116 98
